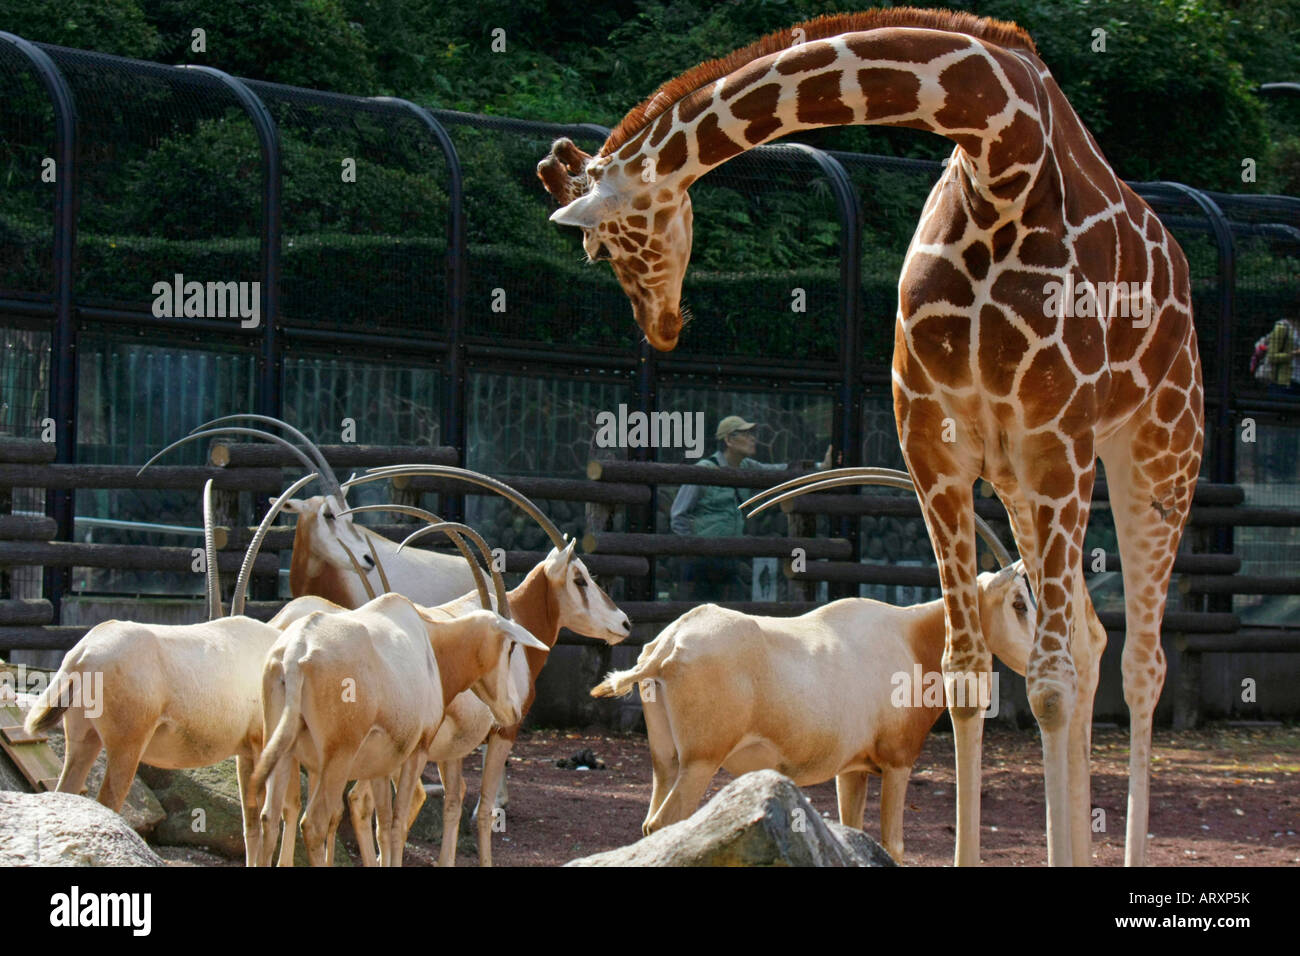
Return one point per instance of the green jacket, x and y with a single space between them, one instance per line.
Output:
710 510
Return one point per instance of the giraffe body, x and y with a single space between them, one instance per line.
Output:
1014 358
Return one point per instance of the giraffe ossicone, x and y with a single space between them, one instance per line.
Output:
1030 392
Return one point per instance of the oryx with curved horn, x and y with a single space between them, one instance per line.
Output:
816 697
333 557
558 592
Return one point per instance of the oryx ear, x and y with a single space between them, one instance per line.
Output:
293 506
583 212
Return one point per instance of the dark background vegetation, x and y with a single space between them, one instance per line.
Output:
1171 98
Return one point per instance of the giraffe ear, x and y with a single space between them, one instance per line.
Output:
583 212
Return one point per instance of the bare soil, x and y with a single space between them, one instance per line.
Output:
1224 795
1221 796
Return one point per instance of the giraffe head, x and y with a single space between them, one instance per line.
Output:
637 221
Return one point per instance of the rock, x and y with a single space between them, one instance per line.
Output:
141 811
63 829
759 819
220 827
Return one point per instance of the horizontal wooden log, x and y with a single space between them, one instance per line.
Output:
26 611
640 612
1206 493
124 476
27 528
849 573
233 454
1245 517
659 473
1238 584
900 506
663 545
555 489
1183 622
26 450
1248 640
35 638
122 557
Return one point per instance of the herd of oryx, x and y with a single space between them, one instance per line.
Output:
389 657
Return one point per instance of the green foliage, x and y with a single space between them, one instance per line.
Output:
108 26
305 43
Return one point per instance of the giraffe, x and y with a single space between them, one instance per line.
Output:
1007 363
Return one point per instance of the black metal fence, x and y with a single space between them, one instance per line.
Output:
398 273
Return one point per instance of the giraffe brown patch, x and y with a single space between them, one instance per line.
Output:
1001 347
627 244
638 237
977 257
1085 340
1042 249
1025 82
1011 187
889 92
747 75
662 218
758 106
1023 293
942 343
693 105
1019 144
611 227
633 146
664 195
673 155
974 93
944 227
1164 345
1054 556
1003 241
642 201
932 279
1186 431
1081 413
1160 273
715 146
905 47
687 180
661 128
1169 403
636 265
810 56
1095 250
972 144
1085 452
1042 207
818 100
1046 386
637 222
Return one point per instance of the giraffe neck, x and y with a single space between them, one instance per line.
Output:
974 93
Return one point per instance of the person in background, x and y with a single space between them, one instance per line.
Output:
1284 356
713 511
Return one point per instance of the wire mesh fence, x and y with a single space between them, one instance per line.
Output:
409 281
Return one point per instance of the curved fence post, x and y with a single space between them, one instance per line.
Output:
452 506
63 340
269 401
849 398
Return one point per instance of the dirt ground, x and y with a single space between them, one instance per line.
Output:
1225 795
1221 796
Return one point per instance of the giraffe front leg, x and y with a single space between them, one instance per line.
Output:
1087 647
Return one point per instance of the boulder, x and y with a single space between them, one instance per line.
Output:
219 826
759 819
141 811
63 829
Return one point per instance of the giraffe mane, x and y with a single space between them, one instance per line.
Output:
1005 34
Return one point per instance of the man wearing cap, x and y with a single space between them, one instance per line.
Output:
713 511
